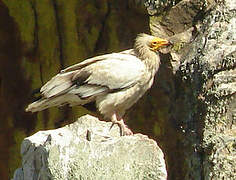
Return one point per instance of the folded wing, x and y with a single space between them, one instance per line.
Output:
109 73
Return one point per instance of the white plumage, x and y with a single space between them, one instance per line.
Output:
114 81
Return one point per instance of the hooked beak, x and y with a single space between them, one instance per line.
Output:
160 43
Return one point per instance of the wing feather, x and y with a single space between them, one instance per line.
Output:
87 90
57 85
114 73
106 73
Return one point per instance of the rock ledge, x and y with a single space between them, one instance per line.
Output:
87 149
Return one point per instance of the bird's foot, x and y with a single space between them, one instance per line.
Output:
124 130
127 132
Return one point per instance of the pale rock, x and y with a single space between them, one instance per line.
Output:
88 149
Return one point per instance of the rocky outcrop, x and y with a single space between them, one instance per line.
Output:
196 88
210 70
88 149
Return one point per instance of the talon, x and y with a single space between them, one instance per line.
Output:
128 132
112 125
124 130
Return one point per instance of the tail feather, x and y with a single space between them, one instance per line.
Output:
45 103
41 104
57 85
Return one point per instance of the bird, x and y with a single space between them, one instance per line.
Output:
114 82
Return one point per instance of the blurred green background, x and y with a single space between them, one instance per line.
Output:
37 40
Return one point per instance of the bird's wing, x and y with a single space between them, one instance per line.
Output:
62 81
97 75
95 59
113 74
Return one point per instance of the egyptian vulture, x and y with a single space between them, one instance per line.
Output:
113 81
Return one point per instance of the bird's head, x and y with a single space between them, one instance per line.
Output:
147 48
157 43
145 42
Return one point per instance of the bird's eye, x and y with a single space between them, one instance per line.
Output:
154 43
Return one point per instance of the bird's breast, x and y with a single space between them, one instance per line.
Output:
120 101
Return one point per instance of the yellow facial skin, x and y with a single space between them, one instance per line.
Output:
157 43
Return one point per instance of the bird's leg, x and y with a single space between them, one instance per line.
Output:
124 130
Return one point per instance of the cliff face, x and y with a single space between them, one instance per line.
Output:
190 110
212 63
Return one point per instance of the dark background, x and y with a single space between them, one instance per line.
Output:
37 40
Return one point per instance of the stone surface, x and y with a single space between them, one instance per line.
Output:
212 64
87 149
207 76
190 109
158 6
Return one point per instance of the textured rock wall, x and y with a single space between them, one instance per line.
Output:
209 72
217 52
190 110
